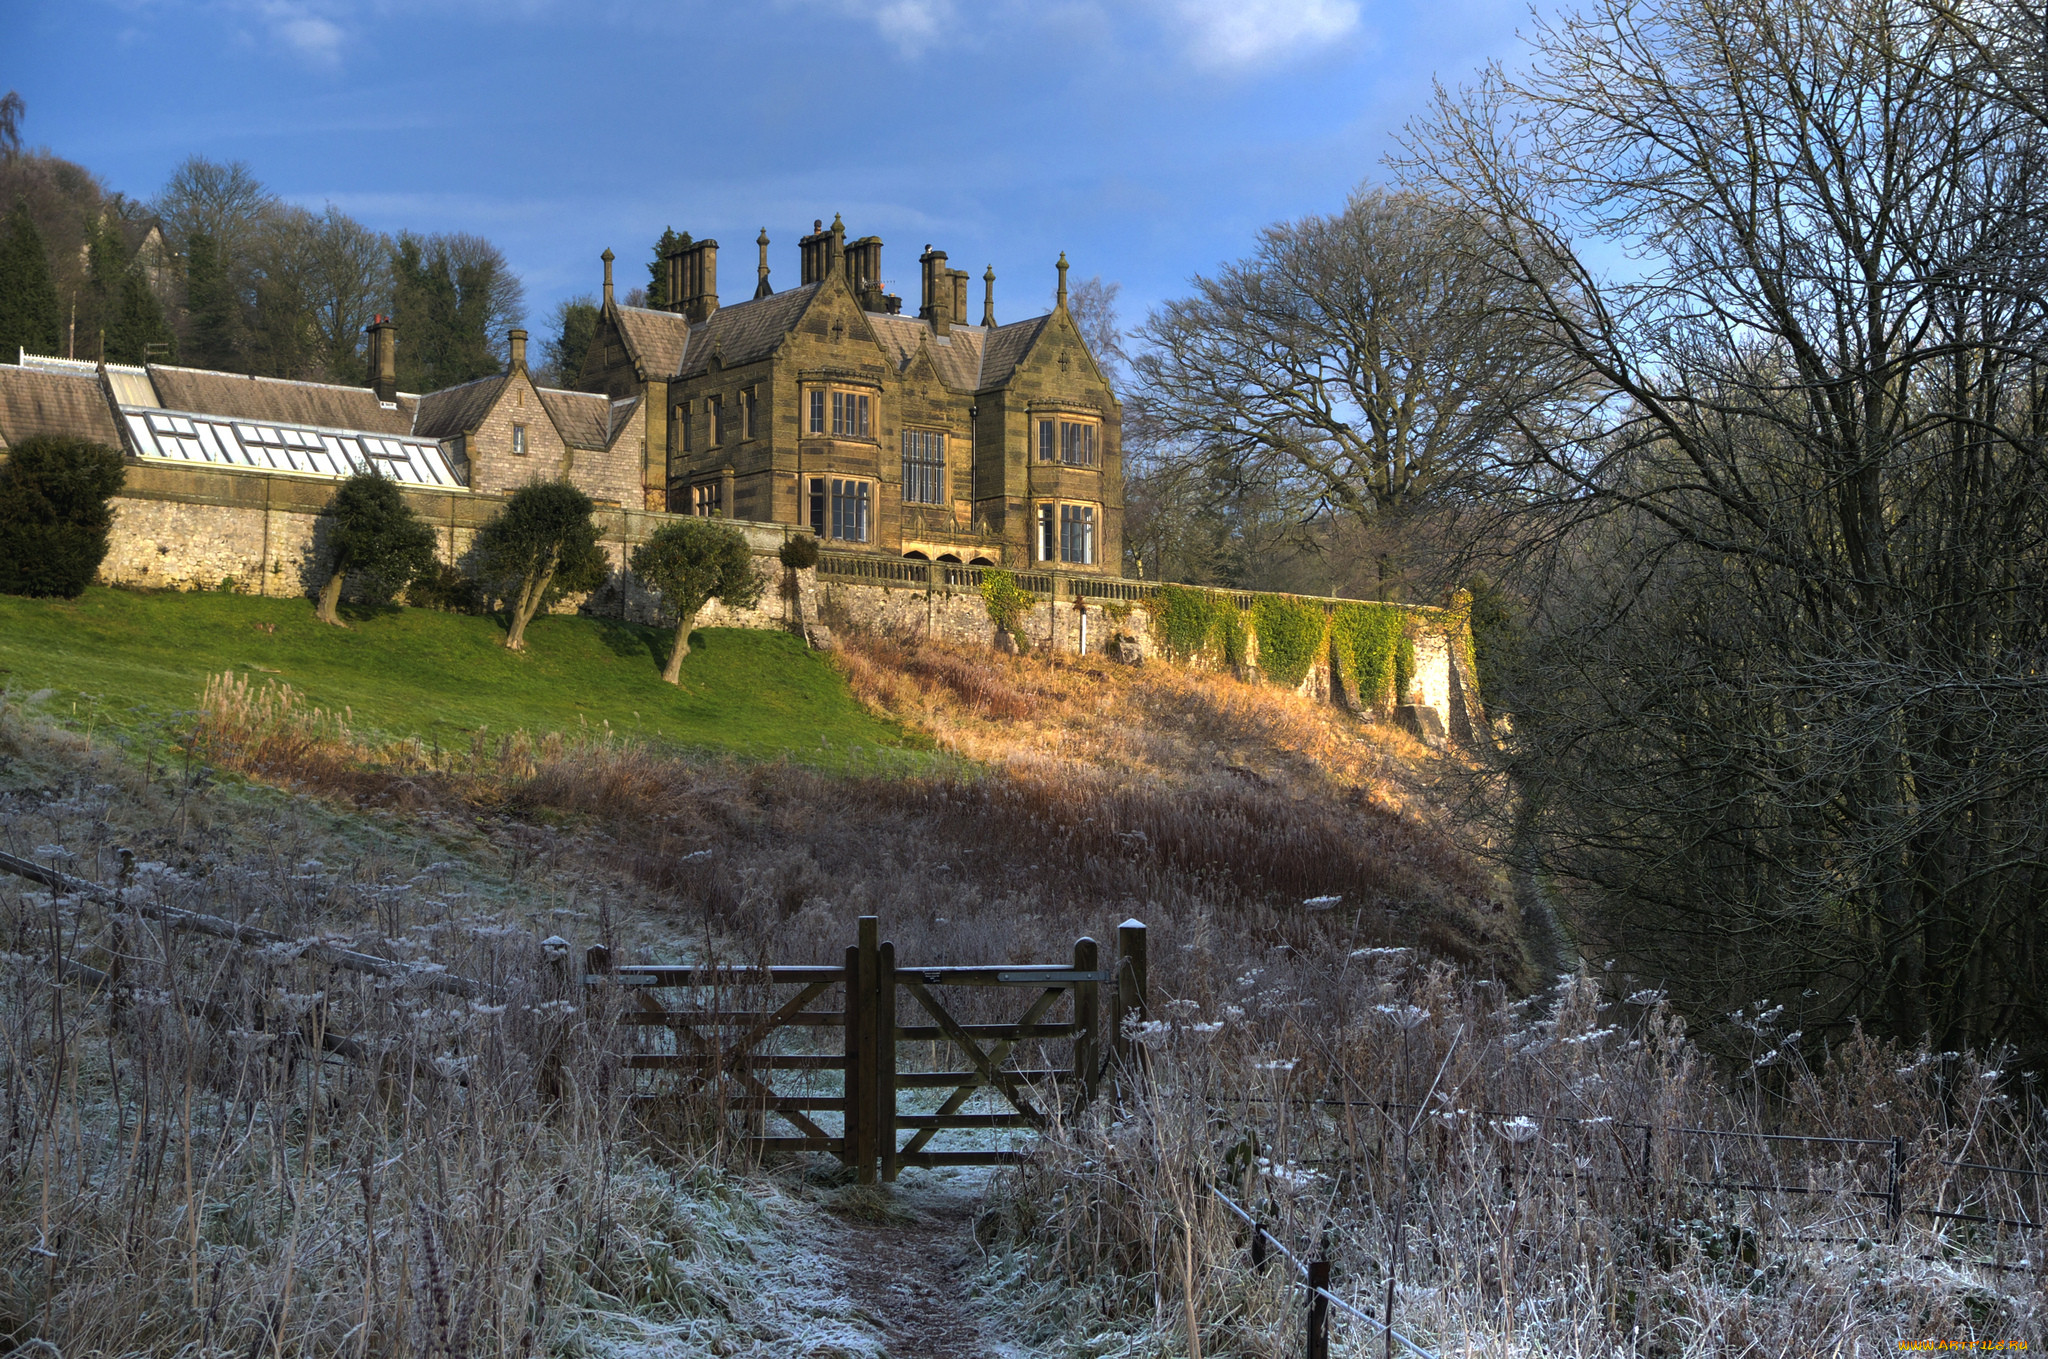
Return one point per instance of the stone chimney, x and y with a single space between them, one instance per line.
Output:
988 298
812 249
1062 296
761 289
518 351
608 257
937 305
384 358
693 278
958 311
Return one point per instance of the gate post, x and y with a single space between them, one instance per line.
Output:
1087 1026
885 1060
1130 984
860 1053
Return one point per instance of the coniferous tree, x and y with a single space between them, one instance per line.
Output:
54 515
213 309
657 271
575 328
138 331
29 316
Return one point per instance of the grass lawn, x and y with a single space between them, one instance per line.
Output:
135 661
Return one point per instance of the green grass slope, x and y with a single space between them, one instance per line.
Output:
136 661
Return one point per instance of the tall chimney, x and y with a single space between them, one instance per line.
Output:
988 297
938 291
697 264
958 292
608 257
762 289
1063 281
384 358
518 351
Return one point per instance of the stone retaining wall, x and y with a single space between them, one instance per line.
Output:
259 532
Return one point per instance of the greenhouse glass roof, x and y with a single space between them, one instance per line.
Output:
176 436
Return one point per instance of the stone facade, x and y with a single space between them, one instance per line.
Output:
825 408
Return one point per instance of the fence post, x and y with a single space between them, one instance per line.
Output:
1258 1246
1087 1026
1130 983
885 1060
1318 1310
1898 1174
860 1053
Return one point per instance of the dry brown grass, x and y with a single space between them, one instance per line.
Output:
1091 792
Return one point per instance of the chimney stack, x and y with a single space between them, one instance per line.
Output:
518 351
938 291
958 278
693 277
1063 281
608 257
762 289
988 298
384 358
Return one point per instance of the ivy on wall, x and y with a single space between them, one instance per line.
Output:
1290 638
1367 645
1189 623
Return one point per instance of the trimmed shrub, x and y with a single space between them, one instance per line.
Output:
54 515
445 588
375 537
1290 638
799 553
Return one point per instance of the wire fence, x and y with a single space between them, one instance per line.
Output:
1864 1186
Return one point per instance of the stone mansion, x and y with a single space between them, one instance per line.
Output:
822 406
825 406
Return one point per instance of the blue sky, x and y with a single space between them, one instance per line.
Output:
1149 139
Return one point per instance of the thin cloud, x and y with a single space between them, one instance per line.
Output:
1241 33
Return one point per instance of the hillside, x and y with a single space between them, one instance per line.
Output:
136 660
1347 1036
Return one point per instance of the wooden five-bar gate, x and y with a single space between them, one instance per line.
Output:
733 1032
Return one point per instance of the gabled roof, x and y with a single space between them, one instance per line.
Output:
1005 348
583 419
654 339
320 404
37 401
957 357
457 410
622 417
746 331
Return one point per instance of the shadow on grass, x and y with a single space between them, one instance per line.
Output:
630 640
365 613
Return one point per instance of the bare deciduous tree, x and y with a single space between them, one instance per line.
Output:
1373 359
1784 723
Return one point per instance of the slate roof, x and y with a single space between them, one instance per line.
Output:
957 356
37 401
583 419
1005 348
622 417
655 339
745 331
277 399
457 410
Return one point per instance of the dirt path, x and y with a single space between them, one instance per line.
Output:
911 1269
